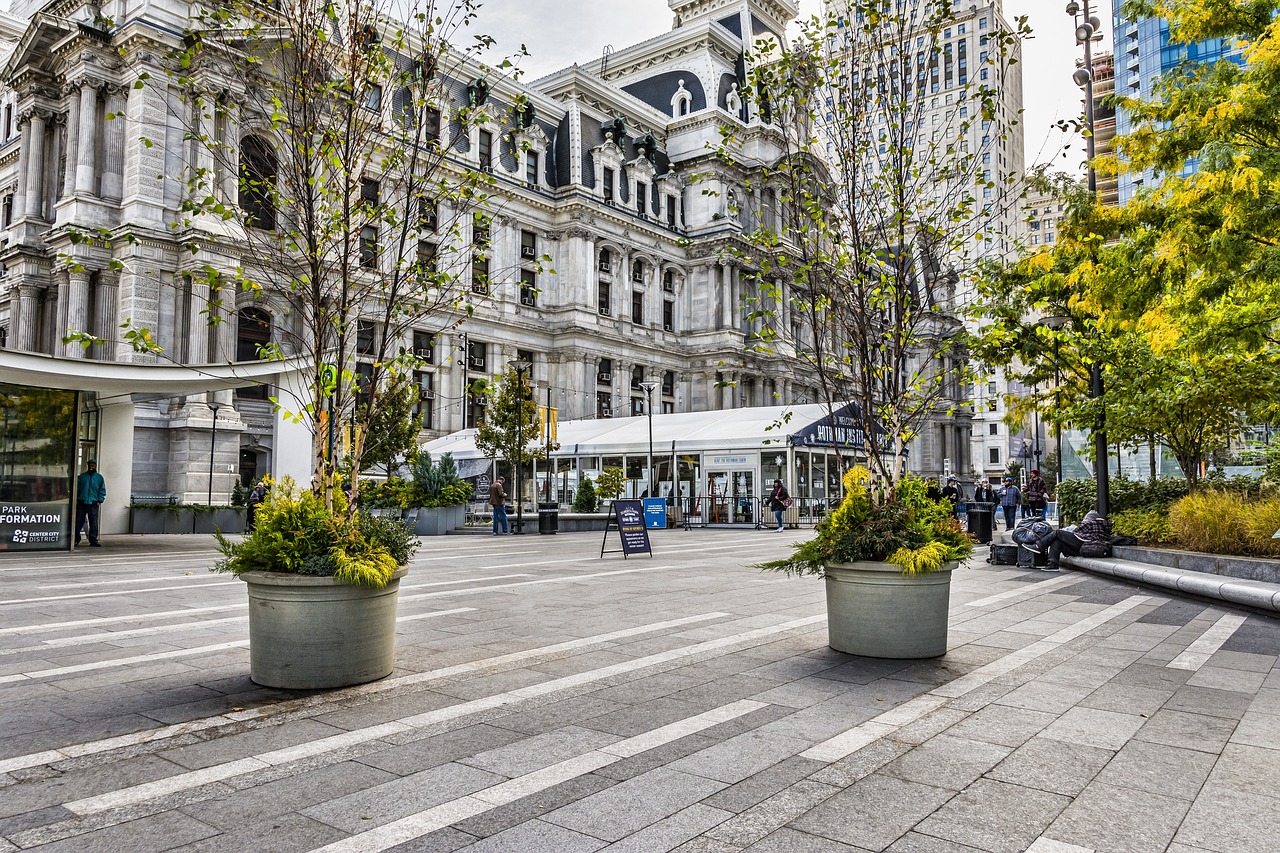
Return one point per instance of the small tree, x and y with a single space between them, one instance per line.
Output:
393 426
586 499
611 483
511 418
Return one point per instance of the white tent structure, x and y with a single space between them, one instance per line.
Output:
719 463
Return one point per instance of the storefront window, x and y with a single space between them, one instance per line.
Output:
37 450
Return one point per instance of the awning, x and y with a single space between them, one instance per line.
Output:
468 468
112 378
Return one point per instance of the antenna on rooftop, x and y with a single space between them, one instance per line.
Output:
604 58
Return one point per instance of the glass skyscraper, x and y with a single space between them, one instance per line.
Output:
1143 53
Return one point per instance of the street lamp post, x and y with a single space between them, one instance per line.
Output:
520 366
213 445
1087 26
1057 323
648 410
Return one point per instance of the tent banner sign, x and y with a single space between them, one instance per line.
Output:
34 526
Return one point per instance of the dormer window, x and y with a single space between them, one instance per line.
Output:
681 101
608 185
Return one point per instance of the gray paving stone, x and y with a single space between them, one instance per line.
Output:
1003 725
787 840
630 806
537 835
737 758
917 842
673 831
401 797
1046 696
1127 699
751 790
771 814
874 812
1052 765
947 762
1126 820
534 753
504 817
995 816
441 841
250 743
1193 731
422 754
144 835
1204 700
1246 770
51 787
284 833
1234 680
1159 769
1091 727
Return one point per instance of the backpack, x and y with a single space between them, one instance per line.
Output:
1095 549
1031 530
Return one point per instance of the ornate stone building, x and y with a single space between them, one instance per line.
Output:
602 180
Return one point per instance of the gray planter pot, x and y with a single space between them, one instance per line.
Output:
309 633
876 611
437 521
146 519
227 519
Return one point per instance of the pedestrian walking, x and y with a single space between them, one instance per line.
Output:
951 491
91 491
778 500
1010 497
984 494
498 502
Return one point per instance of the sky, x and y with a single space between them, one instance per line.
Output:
558 33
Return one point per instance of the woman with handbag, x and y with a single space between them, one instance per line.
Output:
778 500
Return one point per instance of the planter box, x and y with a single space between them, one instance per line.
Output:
178 519
876 611
437 521
1242 568
309 633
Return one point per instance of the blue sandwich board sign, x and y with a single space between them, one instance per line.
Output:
629 518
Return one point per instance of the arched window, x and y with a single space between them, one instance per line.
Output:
253 331
606 261
258 170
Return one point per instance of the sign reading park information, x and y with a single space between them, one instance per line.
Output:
34 526
629 516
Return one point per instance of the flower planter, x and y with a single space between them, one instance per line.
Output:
178 519
876 611
313 633
437 521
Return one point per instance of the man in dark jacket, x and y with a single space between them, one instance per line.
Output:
951 491
1094 530
498 502
1010 497
91 491
778 501
1037 492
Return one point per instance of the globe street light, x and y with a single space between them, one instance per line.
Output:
520 366
1087 26
1057 324
648 410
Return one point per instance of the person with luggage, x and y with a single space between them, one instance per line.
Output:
1010 496
1090 538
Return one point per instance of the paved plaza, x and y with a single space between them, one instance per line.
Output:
545 699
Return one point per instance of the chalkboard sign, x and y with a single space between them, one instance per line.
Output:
627 517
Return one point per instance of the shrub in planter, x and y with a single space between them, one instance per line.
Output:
1218 522
586 499
907 529
295 534
435 484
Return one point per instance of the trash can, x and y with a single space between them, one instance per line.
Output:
980 521
548 517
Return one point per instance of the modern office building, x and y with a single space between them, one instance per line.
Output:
1143 54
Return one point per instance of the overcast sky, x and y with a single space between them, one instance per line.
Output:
561 32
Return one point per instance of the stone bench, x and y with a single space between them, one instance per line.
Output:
1247 593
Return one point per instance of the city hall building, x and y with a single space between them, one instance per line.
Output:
615 180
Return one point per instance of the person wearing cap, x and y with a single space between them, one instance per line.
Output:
91 491
1036 494
984 494
1010 497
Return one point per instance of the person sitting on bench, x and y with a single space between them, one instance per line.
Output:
1092 534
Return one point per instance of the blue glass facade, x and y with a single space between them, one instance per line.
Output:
1143 53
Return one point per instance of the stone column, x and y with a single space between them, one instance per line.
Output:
73 312
87 141
24 159
104 320
25 324
198 323
231 154
113 153
35 166
73 141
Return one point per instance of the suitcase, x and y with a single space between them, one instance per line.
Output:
1030 559
1004 555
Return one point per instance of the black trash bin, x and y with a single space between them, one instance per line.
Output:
981 517
548 518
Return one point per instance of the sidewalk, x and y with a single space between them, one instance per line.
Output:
546 700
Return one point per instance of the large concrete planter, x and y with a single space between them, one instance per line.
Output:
876 611
437 521
309 633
